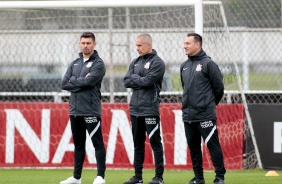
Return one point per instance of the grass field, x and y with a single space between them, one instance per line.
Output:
54 176
256 82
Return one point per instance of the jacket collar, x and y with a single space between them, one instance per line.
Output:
93 56
201 54
149 55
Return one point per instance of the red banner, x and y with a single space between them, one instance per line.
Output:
39 135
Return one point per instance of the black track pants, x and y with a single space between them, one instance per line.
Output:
151 125
79 125
207 130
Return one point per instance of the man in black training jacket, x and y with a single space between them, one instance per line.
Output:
144 77
83 79
202 90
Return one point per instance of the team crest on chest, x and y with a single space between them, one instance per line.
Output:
89 64
147 65
199 67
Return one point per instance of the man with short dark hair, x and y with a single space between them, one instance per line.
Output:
144 77
83 79
202 90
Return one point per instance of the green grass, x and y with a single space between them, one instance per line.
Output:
257 81
54 176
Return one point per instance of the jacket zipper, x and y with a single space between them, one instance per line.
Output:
81 60
189 81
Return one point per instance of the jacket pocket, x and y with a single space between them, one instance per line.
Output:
200 104
155 94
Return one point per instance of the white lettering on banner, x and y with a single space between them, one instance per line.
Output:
277 135
65 146
120 123
40 148
180 144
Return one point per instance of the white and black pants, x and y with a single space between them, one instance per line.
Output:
206 129
79 125
151 125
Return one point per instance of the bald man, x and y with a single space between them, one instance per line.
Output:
144 77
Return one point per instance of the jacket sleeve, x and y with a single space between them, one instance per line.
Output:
66 84
216 81
128 83
97 73
181 80
155 72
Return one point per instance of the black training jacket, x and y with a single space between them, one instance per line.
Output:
145 76
202 88
85 98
